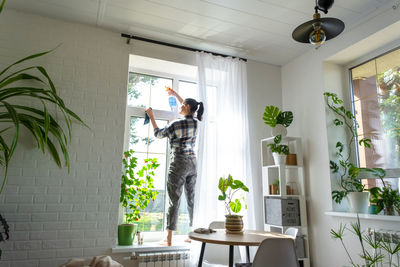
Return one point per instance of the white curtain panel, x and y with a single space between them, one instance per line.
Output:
223 139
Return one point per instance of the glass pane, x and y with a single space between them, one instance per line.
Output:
145 145
148 91
377 108
159 96
188 90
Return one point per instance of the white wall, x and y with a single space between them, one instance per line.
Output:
303 85
53 215
264 89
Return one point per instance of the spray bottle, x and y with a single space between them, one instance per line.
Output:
172 100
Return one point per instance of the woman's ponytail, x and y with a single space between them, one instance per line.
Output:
195 106
200 111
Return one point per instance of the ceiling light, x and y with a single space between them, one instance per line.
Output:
319 30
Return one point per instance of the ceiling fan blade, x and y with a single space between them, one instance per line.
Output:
331 26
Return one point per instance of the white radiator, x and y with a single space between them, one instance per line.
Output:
164 259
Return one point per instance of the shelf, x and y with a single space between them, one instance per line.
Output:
285 196
283 166
364 216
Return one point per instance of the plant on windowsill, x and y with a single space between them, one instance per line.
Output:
137 189
279 152
26 92
278 120
348 173
385 199
229 187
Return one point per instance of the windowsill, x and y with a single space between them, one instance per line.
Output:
364 216
151 247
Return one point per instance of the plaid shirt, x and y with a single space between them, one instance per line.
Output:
181 133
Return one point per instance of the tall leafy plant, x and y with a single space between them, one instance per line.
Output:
347 171
374 249
34 85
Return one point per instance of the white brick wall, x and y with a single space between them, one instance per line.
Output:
53 215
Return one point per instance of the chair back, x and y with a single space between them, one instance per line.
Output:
292 232
217 225
276 252
217 255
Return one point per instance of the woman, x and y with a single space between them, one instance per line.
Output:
182 171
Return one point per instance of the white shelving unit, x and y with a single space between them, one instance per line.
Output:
283 175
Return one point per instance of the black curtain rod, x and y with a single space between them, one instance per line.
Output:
175 46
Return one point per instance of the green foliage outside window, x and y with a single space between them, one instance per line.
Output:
137 188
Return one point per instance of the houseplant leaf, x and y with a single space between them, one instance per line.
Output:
270 115
285 118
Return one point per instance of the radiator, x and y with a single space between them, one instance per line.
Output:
163 259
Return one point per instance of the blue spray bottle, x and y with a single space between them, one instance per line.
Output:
172 100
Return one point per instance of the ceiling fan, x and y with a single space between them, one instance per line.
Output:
318 30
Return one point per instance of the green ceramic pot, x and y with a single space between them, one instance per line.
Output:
126 234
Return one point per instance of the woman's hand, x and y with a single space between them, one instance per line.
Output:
149 112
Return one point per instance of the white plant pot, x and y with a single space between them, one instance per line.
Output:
279 129
279 159
358 202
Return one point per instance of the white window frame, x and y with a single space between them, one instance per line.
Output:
160 115
390 172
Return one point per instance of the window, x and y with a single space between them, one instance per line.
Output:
146 88
376 104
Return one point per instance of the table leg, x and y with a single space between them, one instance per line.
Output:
203 246
248 254
230 256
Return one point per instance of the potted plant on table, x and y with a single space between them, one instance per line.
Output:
278 120
137 189
279 152
348 173
229 187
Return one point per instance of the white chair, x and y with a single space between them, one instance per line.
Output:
276 252
218 255
292 232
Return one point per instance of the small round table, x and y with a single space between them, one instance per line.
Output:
247 238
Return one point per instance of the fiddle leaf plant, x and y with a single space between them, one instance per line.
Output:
347 171
229 187
137 185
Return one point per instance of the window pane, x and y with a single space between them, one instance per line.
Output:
148 91
145 145
188 90
376 86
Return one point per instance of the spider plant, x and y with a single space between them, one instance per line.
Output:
32 84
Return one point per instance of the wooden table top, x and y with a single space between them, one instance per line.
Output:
247 238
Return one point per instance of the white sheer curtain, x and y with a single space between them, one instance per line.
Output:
223 146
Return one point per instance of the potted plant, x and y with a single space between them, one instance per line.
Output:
278 120
50 128
385 199
137 189
229 187
279 152
347 172
375 250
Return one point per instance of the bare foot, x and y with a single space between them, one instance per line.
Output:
168 240
164 243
